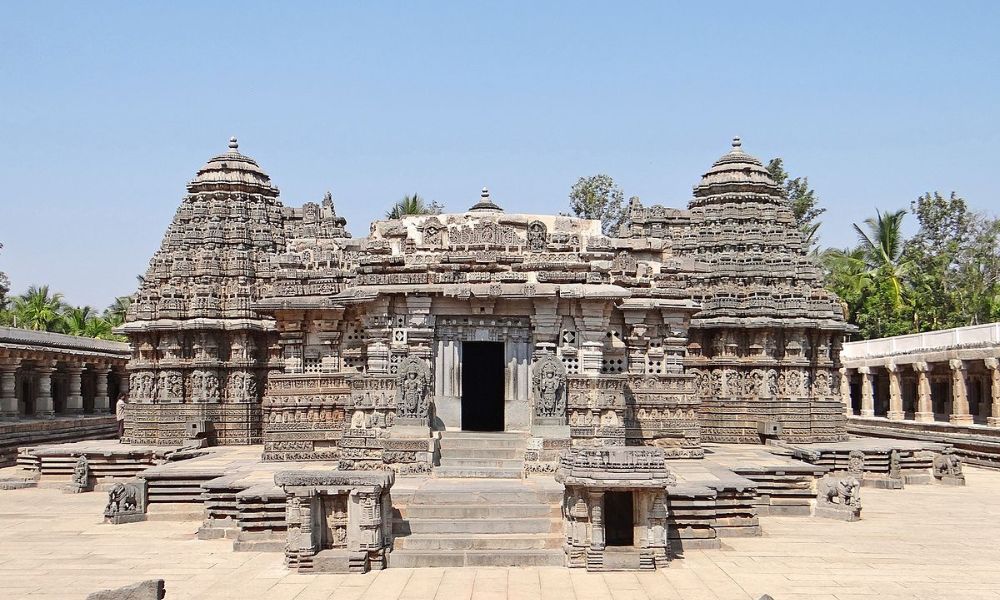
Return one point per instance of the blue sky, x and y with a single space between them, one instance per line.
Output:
108 109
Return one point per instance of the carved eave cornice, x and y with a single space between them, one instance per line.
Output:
270 305
137 327
649 303
769 323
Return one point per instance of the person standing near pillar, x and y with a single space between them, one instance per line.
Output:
120 414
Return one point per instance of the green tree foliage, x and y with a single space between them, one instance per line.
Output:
412 205
42 310
598 197
947 275
959 264
4 288
38 309
802 199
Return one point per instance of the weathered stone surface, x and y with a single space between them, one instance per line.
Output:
151 589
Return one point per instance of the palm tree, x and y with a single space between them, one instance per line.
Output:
101 328
76 320
115 314
882 250
847 276
410 205
36 309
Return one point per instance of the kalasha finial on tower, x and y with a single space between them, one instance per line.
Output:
233 144
485 203
737 144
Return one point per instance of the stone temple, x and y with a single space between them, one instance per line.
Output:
483 387
265 323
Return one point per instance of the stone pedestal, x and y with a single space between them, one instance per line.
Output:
925 412
8 388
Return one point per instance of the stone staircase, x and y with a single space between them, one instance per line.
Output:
478 522
488 455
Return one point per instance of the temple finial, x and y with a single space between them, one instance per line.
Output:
737 144
485 194
233 144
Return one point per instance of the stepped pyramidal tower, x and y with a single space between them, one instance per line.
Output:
201 353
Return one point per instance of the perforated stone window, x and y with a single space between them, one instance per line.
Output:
569 337
654 366
614 364
572 364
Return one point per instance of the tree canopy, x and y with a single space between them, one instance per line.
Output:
412 205
801 199
598 197
42 310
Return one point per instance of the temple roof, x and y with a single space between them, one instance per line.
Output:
231 168
736 171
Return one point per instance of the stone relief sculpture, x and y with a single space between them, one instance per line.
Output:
413 381
537 236
126 502
549 380
80 482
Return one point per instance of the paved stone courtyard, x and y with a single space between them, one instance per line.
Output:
924 542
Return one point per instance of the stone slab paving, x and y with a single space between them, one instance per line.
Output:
923 542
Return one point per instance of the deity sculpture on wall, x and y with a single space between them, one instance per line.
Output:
413 382
537 236
549 380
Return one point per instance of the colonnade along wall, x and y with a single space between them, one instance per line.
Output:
272 324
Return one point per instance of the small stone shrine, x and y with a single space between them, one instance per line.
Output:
337 521
616 499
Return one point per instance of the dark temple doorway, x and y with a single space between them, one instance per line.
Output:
482 386
618 519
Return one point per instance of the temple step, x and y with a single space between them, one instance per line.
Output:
478 526
461 542
477 454
481 463
478 472
481 511
483 558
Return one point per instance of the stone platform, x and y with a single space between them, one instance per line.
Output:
977 444
926 542
56 430
442 521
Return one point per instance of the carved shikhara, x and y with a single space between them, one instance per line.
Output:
273 325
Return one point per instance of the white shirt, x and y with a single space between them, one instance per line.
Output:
120 410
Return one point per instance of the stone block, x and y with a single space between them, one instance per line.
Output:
151 589
835 512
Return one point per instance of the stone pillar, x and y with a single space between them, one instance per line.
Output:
895 412
845 391
8 388
101 402
44 406
959 394
596 501
993 366
925 411
867 394
74 398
